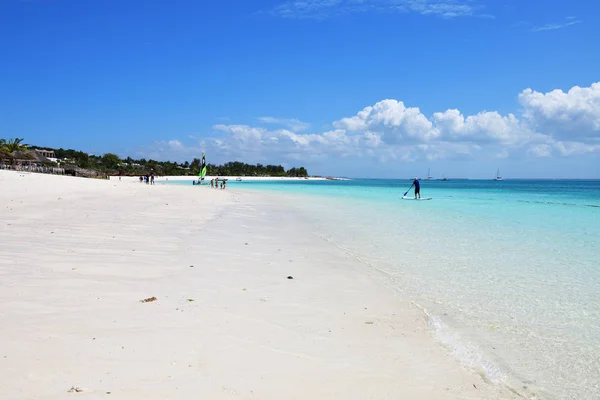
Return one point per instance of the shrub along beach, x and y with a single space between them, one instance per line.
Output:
14 154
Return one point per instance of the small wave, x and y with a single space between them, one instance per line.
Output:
559 203
474 359
466 355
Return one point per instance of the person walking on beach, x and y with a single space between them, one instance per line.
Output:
152 178
417 186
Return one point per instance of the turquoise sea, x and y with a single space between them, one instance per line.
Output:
508 272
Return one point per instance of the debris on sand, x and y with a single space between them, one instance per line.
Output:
290 277
148 300
75 389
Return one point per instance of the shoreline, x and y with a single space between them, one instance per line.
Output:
498 337
230 178
227 321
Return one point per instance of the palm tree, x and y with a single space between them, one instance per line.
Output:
12 145
4 153
12 148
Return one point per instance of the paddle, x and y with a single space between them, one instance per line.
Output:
405 193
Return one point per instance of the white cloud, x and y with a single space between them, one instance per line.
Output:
306 8
301 140
504 153
244 133
395 122
319 9
483 127
568 116
291 123
175 145
553 123
575 148
171 146
540 150
168 149
550 27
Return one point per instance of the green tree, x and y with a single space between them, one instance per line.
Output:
3 147
302 172
12 145
195 166
110 161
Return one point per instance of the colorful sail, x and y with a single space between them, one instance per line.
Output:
202 168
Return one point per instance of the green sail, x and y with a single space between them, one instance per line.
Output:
202 168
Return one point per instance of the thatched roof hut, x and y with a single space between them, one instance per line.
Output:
24 157
6 157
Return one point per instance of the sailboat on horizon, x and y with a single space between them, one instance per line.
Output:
498 177
429 177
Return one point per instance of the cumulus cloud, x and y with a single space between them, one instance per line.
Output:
395 122
320 9
483 127
244 133
291 123
575 148
550 124
540 150
567 116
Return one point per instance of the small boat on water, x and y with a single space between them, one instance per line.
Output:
498 177
238 179
429 177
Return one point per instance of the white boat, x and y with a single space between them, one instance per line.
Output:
498 177
238 179
429 177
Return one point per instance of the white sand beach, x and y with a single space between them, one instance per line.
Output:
77 256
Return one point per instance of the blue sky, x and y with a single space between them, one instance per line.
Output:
384 88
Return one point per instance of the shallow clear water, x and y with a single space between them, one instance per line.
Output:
507 271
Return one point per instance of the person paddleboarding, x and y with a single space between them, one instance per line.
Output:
417 186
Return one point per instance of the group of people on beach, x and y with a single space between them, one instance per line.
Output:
214 183
148 179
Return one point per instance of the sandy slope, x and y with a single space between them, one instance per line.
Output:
77 256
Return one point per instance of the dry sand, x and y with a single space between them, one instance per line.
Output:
77 256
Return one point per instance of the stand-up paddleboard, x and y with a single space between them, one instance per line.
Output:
412 198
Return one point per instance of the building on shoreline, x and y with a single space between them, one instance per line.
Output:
45 153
